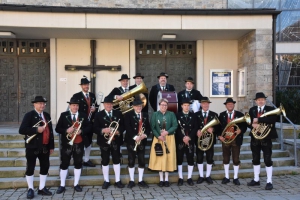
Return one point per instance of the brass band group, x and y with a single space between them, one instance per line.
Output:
175 133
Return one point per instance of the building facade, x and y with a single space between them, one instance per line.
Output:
47 46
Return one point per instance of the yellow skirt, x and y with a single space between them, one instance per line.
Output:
166 162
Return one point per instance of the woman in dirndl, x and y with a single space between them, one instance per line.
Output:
164 125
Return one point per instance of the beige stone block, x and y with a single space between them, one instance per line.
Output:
264 31
263 59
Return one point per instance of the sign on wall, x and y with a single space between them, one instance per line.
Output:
221 83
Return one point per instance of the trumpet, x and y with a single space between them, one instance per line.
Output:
113 129
37 125
163 128
142 131
183 133
206 140
228 133
72 136
263 129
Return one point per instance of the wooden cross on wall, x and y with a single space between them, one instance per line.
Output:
93 67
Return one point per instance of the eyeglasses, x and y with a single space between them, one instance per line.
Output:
163 104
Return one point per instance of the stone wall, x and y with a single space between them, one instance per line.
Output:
255 53
154 4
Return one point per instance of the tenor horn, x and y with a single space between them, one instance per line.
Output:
264 129
128 97
206 140
229 133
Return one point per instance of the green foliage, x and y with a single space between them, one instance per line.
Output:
290 99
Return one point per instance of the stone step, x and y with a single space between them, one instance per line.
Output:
21 161
88 171
97 180
19 152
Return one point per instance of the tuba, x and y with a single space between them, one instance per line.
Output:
128 97
40 123
113 129
228 133
71 136
206 139
263 129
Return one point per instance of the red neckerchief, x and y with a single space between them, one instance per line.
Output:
78 138
88 101
140 123
259 114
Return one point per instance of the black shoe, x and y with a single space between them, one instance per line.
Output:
30 194
269 186
253 183
45 192
131 184
119 184
77 188
161 183
209 180
225 180
236 181
105 185
180 182
190 182
200 180
89 164
143 184
167 184
60 189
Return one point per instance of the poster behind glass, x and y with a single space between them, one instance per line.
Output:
221 83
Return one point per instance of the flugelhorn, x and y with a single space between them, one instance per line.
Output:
73 135
229 133
206 140
113 129
141 132
37 125
183 133
128 97
264 129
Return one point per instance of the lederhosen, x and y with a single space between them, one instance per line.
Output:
188 124
39 147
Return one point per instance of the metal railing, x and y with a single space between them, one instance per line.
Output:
281 135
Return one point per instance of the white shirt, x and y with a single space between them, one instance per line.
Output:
204 112
262 108
84 94
42 114
111 112
72 115
232 113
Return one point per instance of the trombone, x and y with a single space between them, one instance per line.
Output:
37 125
113 129
72 136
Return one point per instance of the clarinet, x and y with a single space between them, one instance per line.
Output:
182 131
163 128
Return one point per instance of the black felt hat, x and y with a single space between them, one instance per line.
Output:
138 75
205 99
73 100
124 76
186 100
189 79
137 101
229 100
108 99
163 74
39 99
84 80
260 95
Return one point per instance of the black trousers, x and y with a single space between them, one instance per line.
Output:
42 155
140 152
75 151
114 150
234 149
209 155
182 149
264 145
